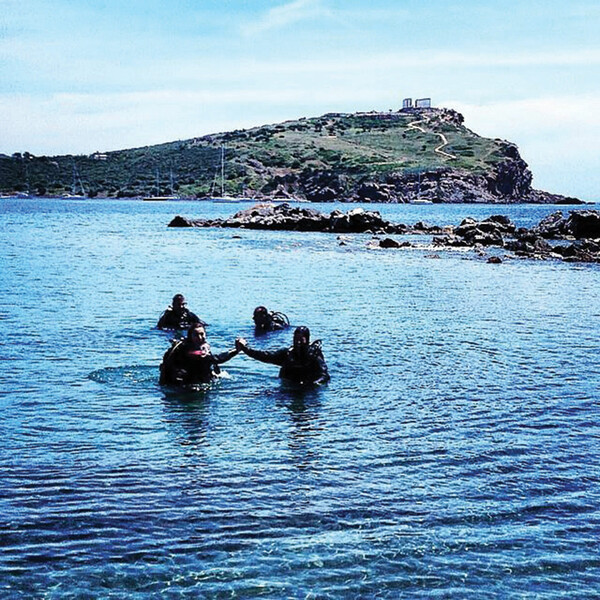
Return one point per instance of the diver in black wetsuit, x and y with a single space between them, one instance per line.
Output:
265 320
302 363
178 316
191 361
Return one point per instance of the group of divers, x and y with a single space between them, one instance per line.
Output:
190 362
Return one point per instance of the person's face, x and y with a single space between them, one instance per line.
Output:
198 336
179 303
260 318
300 342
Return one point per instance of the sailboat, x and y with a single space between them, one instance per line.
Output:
223 197
76 180
158 197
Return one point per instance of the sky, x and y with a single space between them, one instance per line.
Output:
78 76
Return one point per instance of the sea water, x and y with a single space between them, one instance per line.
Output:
454 454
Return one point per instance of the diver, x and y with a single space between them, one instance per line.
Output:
190 361
265 320
302 363
178 316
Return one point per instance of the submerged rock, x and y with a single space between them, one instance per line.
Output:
391 243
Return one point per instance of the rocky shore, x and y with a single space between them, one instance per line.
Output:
574 237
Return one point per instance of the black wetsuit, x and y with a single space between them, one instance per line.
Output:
179 367
178 320
272 322
310 368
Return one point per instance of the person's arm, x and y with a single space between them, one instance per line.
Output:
322 366
194 318
223 357
273 357
162 322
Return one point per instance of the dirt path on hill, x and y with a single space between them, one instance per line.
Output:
414 125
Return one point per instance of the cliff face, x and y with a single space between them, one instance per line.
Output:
424 155
508 181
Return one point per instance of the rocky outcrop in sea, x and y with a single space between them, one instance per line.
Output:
285 217
574 237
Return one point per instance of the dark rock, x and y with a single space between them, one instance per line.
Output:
494 260
489 232
422 227
449 240
529 243
389 243
497 230
580 251
579 224
356 220
501 223
278 217
485 238
181 222
480 234
374 192
568 200
584 224
551 226
511 178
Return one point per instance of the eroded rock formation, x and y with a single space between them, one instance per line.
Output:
580 228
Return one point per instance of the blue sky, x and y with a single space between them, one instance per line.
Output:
86 75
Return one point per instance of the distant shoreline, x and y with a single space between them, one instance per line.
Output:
565 202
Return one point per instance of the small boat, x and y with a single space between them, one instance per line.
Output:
421 202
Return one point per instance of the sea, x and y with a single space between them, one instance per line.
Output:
453 454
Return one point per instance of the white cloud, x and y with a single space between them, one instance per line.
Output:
558 136
365 66
285 15
578 114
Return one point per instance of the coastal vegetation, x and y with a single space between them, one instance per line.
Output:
405 156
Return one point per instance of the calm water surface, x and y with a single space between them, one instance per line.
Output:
454 454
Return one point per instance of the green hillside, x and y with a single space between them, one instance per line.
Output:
393 156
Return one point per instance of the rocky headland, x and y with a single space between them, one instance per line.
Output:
405 156
574 237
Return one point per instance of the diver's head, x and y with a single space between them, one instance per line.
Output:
196 334
261 316
301 338
178 302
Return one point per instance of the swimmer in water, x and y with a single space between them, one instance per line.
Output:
302 363
178 316
191 361
265 320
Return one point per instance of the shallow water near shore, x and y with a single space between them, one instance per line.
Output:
453 454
